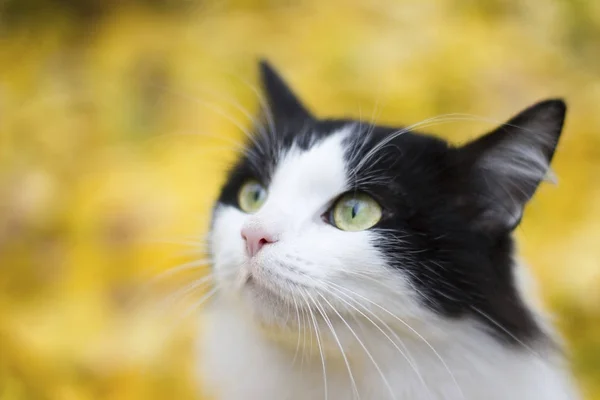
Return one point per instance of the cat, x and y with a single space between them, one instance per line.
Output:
357 261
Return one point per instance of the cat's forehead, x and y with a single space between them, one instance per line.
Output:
319 170
323 159
323 143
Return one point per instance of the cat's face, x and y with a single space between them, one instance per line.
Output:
346 218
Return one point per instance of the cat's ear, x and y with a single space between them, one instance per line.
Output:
283 105
507 165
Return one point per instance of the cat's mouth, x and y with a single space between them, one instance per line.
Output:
265 288
275 294
266 301
274 291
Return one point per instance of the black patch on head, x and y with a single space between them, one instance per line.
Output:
449 212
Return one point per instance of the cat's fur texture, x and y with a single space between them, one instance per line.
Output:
427 304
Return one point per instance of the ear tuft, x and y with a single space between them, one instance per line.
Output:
283 104
508 164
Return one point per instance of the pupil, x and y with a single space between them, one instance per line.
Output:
256 195
355 208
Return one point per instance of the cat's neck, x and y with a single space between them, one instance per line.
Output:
240 361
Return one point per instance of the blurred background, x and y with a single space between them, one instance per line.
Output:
118 118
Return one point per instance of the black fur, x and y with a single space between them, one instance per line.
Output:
453 211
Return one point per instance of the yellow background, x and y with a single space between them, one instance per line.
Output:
117 119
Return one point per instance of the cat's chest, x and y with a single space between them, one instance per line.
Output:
235 365
238 363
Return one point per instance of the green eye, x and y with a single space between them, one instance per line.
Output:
356 212
252 196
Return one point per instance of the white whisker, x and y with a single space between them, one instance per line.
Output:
366 350
318 336
435 352
196 264
183 292
336 338
440 119
200 302
298 320
406 356
499 325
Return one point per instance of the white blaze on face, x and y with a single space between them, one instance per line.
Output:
307 251
304 183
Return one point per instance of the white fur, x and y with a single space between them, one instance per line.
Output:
267 338
240 362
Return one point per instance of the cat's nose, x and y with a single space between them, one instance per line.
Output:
256 239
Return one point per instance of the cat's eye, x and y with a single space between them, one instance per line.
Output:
355 212
252 196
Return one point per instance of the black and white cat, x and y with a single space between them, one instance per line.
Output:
355 261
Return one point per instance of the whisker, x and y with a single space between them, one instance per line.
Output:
180 294
438 356
220 111
367 352
335 336
385 141
147 286
499 325
304 323
183 292
183 267
199 303
263 104
241 109
318 336
436 120
406 356
298 320
271 138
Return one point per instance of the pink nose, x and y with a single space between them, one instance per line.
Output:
256 239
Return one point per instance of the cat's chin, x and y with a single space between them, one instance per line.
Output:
268 305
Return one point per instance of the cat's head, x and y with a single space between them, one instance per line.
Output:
342 216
